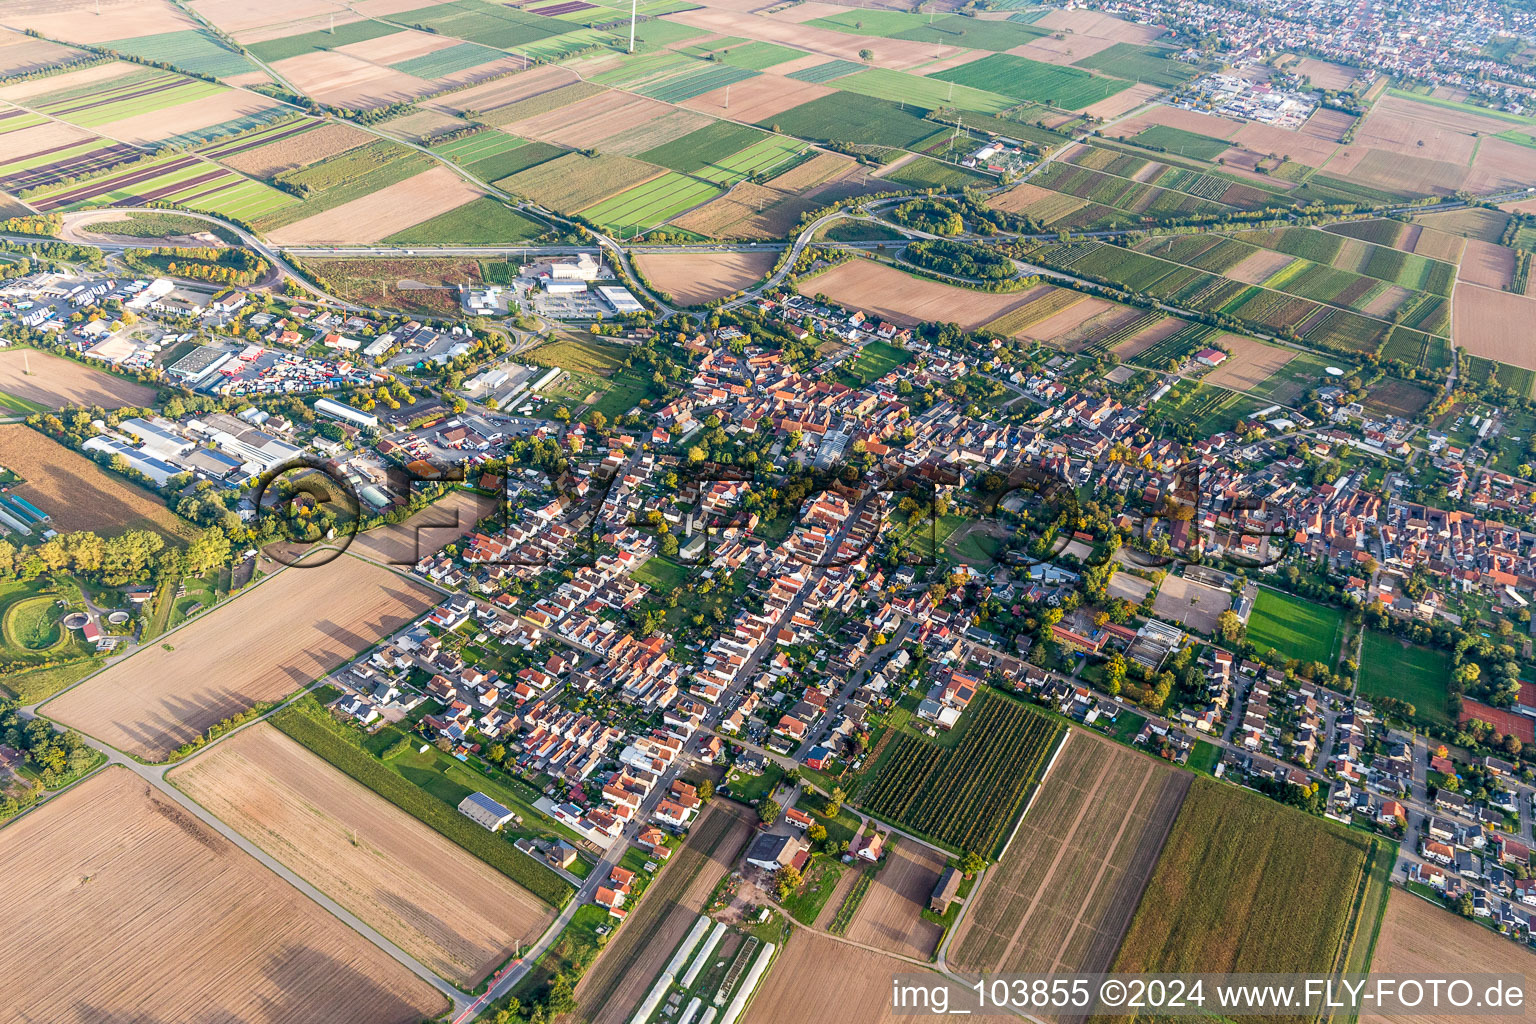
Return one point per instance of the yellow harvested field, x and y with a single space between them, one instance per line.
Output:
1486 264
1479 223
300 151
1259 266
1494 324
77 494
1325 74
759 98
1419 939
345 81
447 908
1062 51
1122 102
1251 363
85 21
288 630
152 915
1092 23
158 125
382 213
906 299
54 381
693 279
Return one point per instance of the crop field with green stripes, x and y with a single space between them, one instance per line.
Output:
448 61
491 155
651 203
1033 80
885 84
325 39
694 82
181 179
192 50
113 101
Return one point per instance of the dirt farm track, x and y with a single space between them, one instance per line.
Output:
120 906
281 634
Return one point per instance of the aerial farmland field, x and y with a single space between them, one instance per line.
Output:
153 913
432 898
1063 894
54 382
1293 878
284 633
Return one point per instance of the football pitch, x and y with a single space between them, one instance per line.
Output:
1295 627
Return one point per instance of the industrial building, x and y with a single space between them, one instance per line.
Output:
339 411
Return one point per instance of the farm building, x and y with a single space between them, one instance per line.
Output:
945 890
484 811
1211 357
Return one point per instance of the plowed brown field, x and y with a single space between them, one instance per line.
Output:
695 278
277 636
890 917
152 916
905 299
432 898
54 381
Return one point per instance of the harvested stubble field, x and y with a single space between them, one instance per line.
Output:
574 181
758 99
904 298
346 81
1063 894
623 973
593 121
432 898
77 493
1486 264
1292 879
55 382
1419 939
283 633
385 212
695 278
1250 364
80 21
819 980
890 916
1495 324
290 153
152 915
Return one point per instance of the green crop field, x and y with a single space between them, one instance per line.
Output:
1295 627
1418 675
1025 79
191 50
575 182
448 61
949 30
483 221
885 84
756 56
493 25
853 118
1294 880
827 72
1139 63
1177 140
347 176
493 155
699 149
311 42
118 101
652 202
927 173
694 82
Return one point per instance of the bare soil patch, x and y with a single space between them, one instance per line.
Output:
1195 605
1063 894
57 382
435 900
299 151
1398 173
93 75
1486 264
1325 74
492 95
1259 266
152 915
1418 938
905 299
397 46
891 53
1438 245
77 494
1494 324
1148 336
890 916
1251 363
1328 125
81 21
758 98
283 633
1092 23
1500 164
1261 138
241 16
422 125
1062 51
1485 225
583 125
391 209
1073 324
695 278
1122 102
346 81
1176 117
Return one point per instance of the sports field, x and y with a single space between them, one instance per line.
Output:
1391 668
1295 627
